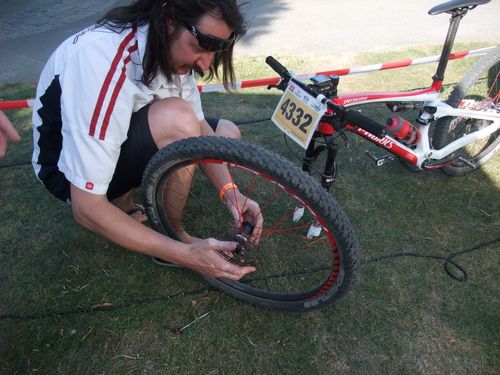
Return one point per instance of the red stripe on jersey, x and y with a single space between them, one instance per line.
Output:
116 91
107 81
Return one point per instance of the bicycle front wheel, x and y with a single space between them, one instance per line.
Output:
307 256
478 90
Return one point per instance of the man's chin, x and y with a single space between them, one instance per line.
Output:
182 71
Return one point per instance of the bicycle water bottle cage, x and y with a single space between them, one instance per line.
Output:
403 106
456 5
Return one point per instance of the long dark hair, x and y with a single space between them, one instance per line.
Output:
156 12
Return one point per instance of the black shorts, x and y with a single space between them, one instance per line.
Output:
135 154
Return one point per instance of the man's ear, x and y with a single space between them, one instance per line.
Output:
171 24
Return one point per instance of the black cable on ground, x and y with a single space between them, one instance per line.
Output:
103 306
448 260
249 122
15 164
111 307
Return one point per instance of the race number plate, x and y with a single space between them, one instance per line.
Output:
297 114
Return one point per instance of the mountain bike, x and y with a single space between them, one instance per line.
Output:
308 255
456 136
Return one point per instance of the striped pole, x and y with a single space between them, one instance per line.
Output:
26 103
349 71
16 104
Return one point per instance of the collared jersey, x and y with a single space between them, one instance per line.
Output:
86 95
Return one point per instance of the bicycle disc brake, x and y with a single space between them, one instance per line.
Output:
241 255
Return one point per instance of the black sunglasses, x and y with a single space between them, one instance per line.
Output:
209 42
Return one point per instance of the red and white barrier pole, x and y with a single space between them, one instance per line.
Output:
27 103
16 104
349 71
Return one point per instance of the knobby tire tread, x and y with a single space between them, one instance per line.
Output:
282 171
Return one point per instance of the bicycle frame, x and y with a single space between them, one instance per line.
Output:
423 155
405 140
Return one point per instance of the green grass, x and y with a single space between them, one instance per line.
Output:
404 316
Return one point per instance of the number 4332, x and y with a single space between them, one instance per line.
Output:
296 115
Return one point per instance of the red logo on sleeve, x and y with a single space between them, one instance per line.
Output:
89 186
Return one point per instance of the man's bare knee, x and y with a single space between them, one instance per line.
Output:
226 128
172 119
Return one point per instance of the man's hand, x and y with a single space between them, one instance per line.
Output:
7 132
204 257
243 209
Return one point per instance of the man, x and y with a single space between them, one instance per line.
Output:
112 95
7 132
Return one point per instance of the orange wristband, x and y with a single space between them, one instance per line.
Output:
225 188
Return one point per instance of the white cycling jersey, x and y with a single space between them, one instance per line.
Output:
86 95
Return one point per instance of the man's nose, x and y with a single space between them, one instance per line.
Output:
205 60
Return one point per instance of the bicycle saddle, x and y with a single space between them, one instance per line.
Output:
453 5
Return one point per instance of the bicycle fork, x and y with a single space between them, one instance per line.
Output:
330 171
327 177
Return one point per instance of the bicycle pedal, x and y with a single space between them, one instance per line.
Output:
380 160
467 162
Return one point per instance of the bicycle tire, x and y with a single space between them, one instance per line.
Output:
293 273
472 92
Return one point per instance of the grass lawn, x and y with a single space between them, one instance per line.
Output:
405 315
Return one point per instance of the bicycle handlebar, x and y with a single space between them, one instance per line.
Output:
277 67
347 115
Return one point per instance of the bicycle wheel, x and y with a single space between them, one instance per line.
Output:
294 272
479 90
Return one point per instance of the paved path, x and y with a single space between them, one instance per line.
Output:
353 26
31 29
